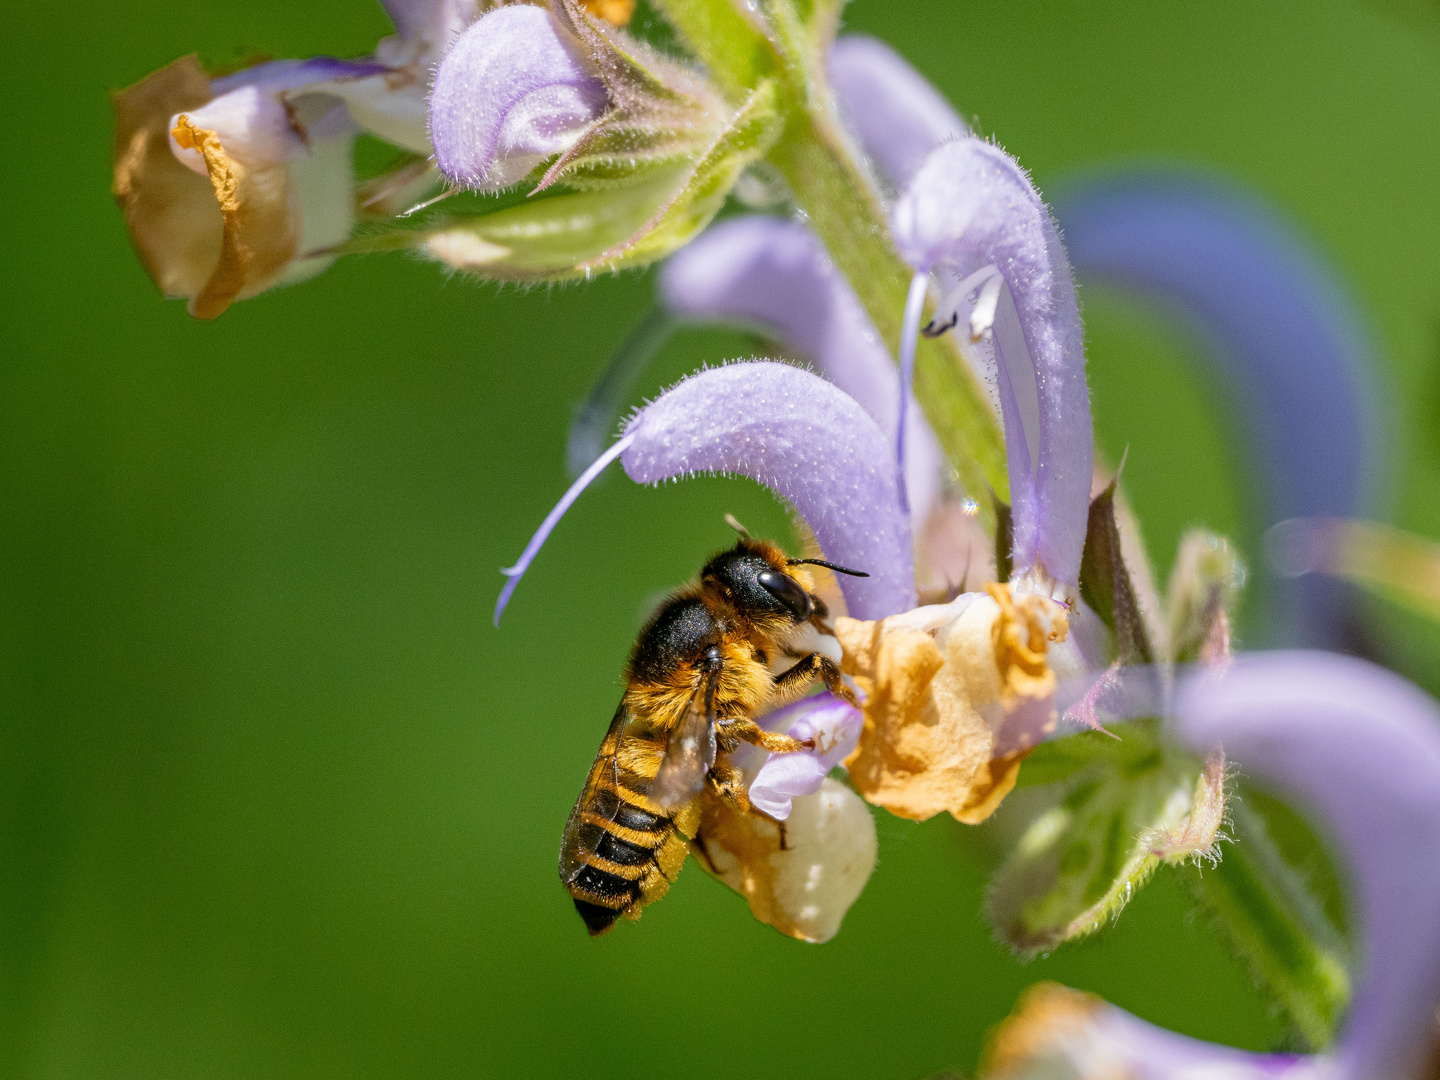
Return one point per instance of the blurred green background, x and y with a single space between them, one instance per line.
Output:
276 799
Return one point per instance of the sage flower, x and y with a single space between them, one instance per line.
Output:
971 210
234 185
1360 748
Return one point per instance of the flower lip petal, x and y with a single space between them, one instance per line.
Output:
511 92
807 441
834 726
897 115
971 205
1361 747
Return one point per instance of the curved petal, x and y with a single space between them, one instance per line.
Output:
1279 326
513 91
1361 747
971 207
775 273
896 114
832 724
807 441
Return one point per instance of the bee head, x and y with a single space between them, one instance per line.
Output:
755 578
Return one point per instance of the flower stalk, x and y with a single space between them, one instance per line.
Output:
1271 919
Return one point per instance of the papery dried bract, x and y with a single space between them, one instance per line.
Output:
802 876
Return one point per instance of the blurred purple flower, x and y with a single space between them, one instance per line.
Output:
892 109
1360 747
1282 332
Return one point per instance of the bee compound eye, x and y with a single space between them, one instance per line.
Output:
788 591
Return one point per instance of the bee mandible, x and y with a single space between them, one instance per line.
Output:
749 635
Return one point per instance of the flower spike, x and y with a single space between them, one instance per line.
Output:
971 208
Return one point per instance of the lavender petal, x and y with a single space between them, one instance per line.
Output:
807 441
511 92
1361 747
835 727
896 114
776 276
1280 328
970 206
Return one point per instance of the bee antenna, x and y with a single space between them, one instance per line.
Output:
828 566
730 520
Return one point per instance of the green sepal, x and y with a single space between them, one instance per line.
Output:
1207 577
1106 586
1089 840
574 234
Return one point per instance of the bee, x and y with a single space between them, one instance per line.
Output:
749 635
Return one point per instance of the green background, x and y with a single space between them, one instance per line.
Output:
276 799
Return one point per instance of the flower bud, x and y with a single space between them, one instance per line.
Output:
514 90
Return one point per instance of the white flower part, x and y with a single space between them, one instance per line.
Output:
252 125
800 877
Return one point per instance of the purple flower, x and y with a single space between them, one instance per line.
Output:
775 275
895 113
971 211
795 433
1360 747
514 90
1282 332
833 725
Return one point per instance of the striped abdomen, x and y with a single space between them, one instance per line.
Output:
620 851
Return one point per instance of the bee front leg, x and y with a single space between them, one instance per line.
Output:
792 682
729 784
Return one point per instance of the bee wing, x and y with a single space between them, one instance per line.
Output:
691 749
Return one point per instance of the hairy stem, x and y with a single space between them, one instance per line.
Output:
1263 906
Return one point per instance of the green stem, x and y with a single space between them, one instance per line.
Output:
1263 906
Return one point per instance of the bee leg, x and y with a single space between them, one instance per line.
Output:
835 682
743 729
793 681
729 783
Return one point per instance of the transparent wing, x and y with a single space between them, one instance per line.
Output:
581 834
691 749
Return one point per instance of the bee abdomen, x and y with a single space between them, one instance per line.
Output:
628 855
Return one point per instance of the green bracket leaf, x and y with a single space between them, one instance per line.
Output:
579 233
1094 838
